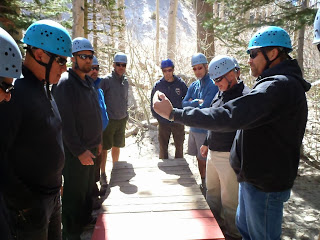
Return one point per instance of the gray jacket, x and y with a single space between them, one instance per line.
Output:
115 89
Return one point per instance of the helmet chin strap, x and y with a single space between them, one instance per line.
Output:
48 69
267 58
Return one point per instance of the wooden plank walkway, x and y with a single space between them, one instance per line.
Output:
155 199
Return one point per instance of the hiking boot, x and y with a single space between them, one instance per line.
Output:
103 179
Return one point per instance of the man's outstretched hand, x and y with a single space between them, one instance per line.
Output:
162 105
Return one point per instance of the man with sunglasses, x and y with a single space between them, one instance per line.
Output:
222 185
271 120
200 94
10 67
31 146
78 104
176 89
115 87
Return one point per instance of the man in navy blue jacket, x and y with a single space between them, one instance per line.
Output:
271 120
175 89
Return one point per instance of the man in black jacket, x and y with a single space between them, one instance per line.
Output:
80 111
272 119
221 181
10 67
31 147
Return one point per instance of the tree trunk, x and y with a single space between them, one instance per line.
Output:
172 23
94 26
304 4
157 32
78 18
85 19
122 26
205 37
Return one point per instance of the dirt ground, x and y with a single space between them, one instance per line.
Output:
301 212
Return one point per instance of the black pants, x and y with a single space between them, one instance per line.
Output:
42 221
76 200
5 231
165 130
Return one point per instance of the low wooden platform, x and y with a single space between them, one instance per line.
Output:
155 199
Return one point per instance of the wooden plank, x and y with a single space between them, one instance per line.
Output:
155 199
156 226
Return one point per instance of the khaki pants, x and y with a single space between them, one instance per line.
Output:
222 190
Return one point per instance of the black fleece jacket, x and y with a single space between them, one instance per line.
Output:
31 147
222 141
271 119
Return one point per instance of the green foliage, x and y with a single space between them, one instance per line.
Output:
243 15
17 14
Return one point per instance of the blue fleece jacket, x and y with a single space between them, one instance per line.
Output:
201 89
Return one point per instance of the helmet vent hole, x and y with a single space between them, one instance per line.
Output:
13 55
13 66
58 39
6 53
7 69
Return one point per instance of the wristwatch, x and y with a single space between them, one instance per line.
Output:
171 116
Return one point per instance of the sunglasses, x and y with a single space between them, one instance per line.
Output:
195 69
254 53
167 70
85 56
121 64
6 87
219 79
95 68
60 60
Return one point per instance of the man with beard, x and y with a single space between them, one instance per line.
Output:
78 104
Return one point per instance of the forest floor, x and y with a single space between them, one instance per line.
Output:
301 212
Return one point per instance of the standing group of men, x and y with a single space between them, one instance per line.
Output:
254 135
53 132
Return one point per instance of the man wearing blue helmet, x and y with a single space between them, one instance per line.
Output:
272 119
200 94
10 67
115 87
78 104
31 144
176 89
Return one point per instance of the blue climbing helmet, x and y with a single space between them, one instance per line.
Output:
81 44
95 61
11 59
49 36
167 63
316 28
198 58
120 57
270 36
220 65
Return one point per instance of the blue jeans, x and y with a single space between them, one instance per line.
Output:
259 214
